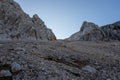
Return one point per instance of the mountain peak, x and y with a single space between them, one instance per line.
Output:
16 24
88 25
92 32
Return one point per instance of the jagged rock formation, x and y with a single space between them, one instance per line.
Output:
92 32
54 60
15 24
89 32
112 31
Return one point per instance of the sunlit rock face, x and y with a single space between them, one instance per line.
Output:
88 32
15 24
92 32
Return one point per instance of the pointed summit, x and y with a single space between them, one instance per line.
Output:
88 26
88 32
92 32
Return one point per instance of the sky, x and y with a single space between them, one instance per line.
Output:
65 17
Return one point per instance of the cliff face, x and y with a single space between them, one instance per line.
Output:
112 31
15 24
92 32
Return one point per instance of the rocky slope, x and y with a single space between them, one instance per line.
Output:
17 25
59 60
26 53
92 32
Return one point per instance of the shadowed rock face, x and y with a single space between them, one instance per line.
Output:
15 24
92 32
112 31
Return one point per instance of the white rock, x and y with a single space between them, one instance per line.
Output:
5 73
20 49
15 67
89 69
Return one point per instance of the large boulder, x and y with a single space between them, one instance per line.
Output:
15 24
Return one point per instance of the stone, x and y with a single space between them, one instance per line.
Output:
89 69
15 67
62 60
88 32
5 73
92 32
19 49
15 24
112 31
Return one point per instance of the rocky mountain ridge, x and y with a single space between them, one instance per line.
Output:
92 32
26 55
15 24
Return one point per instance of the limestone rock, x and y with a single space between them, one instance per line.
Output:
61 60
5 73
88 32
15 24
112 31
19 49
89 69
15 67
92 32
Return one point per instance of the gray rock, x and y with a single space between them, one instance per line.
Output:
15 24
41 76
88 32
15 67
19 49
91 32
5 73
89 69
112 31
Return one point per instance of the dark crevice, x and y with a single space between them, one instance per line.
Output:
6 78
73 73
72 63
5 67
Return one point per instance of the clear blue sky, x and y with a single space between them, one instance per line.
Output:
65 17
